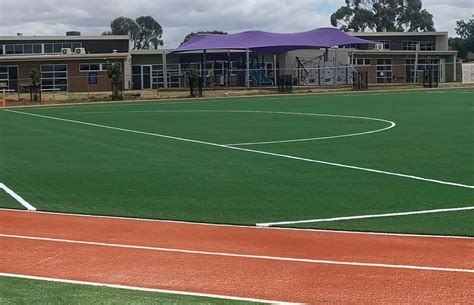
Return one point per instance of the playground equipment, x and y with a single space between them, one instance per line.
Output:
323 71
258 78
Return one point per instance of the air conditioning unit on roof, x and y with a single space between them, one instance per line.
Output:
80 51
379 46
66 51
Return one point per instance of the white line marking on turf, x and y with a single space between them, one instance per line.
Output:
247 150
391 124
235 255
165 291
281 223
17 197
243 226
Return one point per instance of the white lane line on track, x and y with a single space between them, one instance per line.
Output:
282 223
391 124
234 255
242 226
247 150
17 197
135 288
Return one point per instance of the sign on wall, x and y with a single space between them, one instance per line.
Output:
93 78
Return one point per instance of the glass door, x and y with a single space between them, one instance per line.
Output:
146 77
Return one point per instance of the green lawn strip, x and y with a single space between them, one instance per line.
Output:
25 291
452 223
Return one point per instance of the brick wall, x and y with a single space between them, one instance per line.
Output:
77 81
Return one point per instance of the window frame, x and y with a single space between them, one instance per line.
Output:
57 81
102 66
384 71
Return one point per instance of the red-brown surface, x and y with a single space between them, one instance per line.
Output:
252 277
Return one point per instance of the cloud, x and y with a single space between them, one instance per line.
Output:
180 17
447 12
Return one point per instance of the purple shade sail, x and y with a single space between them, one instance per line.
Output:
272 42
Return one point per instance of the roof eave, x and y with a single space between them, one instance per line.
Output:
55 57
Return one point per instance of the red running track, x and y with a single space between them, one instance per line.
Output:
272 264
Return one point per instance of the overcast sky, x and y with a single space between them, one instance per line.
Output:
179 17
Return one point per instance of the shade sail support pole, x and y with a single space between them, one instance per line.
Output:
165 70
275 69
204 67
247 70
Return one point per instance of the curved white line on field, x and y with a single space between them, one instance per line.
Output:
391 124
261 152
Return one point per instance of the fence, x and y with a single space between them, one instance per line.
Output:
90 86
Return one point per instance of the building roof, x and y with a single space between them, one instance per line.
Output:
389 34
403 52
272 42
62 38
53 57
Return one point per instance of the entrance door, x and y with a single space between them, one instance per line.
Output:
146 77
137 77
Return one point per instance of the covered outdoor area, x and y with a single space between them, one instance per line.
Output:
257 58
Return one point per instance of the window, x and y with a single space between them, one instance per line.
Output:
424 45
146 76
386 44
427 45
54 78
76 45
48 48
28 48
9 77
409 45
3 73
424 64
18 49
57 47
361 62
384 71
94 67
37 48
9 49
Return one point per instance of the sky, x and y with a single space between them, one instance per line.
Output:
180 17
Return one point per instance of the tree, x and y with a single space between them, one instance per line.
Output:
464 29
191 35
115 74
35 77
464 44
383 16
145 32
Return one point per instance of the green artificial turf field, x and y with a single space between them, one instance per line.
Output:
23 291
77 168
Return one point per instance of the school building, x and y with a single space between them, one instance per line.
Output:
77 63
